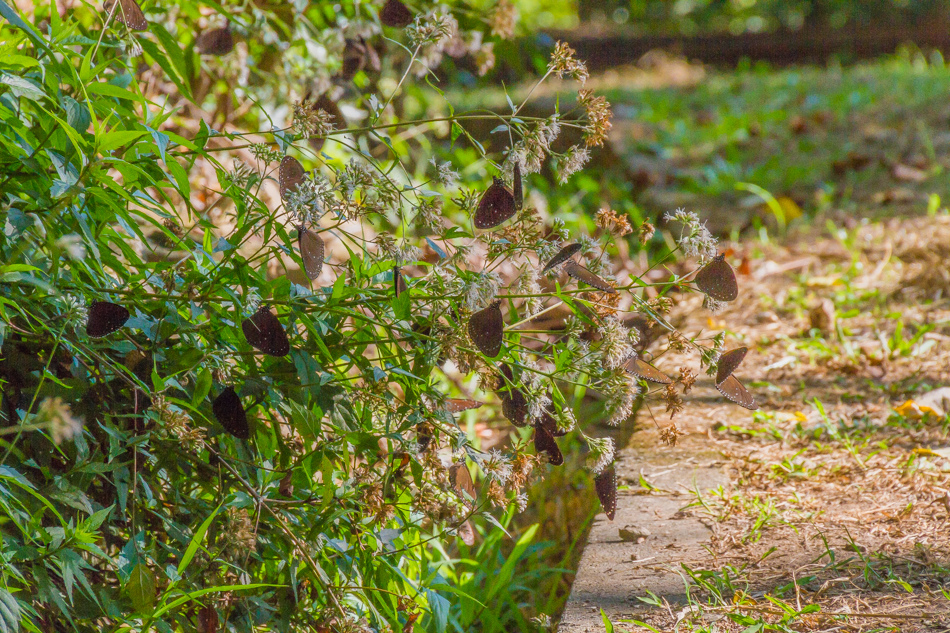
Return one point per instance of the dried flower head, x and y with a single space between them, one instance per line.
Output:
239 537
485 58
598 113
58 419
609 220
564 63
674 402
265 153
310 120
670 434
503 19
646 232
688 378
177 424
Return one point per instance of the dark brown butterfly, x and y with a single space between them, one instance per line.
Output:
461 479
735 391
606 486
286 485
718 280
229 412
217 41
207 620
642 369
395 13
580 273
728 363
105 318
550 424
358 55
505 380
517 190
486 329
128 13
562 256
399 282
514 406
264 332
544 442
457 405
312 252
289 176
496 205
466 533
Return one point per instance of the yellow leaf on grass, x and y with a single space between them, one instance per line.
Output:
913 411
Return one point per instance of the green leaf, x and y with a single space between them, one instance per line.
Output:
22 87
195 542
9 609
141 587
202 387
113 140
608 625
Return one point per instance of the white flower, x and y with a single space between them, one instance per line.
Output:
695 238
601 453
615 343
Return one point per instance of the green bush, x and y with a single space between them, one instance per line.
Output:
139 175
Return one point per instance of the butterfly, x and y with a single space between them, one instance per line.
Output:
129 13
357 55
289 176
486 329
105 318
229 412
550 424
728 362
399 282
517 191
642 369
606 486
217 41
395 13
496 205
514 405
461 479
312 252
544 442
466 533
457 405
580 273
562 256
718 280
734 390
264 332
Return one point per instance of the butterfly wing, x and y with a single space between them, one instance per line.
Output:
562 256
312 252
544 442
128 13
289 176
580 273
734 390
264 332
496 205
486 329
399 282
728 363
643 369
229 412
394 13
105 318
718 280
514 406
606 486
461 479
517 191
457 405
217 41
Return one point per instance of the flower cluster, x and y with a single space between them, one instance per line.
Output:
564 63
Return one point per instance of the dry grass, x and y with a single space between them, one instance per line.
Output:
838 502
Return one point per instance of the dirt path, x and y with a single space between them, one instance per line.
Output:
828 509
